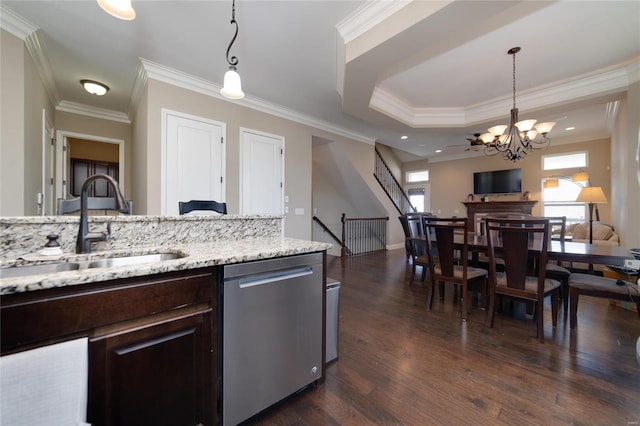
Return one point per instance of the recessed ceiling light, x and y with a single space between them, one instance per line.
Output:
570 128
94 87
403 137
438 151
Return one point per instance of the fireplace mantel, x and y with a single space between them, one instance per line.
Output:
484 207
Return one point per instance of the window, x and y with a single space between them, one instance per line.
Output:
418 176
564 161
561 201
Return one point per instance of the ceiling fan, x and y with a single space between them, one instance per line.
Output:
474 144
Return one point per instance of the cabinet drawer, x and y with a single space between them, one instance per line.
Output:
43 317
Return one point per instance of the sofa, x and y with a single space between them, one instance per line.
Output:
602 234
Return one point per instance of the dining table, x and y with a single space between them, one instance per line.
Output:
566 251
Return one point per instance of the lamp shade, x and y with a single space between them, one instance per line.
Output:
232 85
591 194
580 177
121 9
551 183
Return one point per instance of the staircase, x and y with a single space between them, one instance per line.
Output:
391 187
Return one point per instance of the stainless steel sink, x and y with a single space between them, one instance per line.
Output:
51 268
132 260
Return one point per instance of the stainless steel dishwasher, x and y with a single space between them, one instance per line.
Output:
271 332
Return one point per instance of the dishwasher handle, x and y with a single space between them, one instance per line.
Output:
266 278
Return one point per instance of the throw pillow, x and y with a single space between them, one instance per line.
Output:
601 232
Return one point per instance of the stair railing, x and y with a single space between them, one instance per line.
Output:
344 249
391 186
364 234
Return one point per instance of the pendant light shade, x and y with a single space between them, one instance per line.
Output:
121 9
232 85
232 88
580 177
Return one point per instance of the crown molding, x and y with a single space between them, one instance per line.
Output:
15 24
368 16
177 78
81 109
605 81
138 89
43 66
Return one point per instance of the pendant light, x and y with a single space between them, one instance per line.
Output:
121 9
517 139
232 88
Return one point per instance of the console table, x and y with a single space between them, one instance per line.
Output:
485 207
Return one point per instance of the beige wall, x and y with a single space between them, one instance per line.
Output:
23 100
12 134
298 143
451 181
625 155
138 159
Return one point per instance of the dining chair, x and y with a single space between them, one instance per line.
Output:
515 239
72 205
555 270
185 207
449 267
417 245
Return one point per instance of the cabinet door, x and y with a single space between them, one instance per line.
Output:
156 374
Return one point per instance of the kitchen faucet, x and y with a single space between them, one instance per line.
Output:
83 242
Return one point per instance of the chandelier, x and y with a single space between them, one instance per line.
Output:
232 88
517 139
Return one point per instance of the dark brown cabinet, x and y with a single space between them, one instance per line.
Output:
152 343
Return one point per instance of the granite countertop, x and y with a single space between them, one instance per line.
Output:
195 255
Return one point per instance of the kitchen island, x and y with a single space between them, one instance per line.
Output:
153 329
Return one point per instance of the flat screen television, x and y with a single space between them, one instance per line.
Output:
498 182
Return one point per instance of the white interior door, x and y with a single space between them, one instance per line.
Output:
193 160
261 173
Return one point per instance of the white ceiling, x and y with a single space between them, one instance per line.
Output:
435 71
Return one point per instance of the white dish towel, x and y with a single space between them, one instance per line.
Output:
45 386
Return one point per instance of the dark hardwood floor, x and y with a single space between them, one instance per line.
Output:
402 364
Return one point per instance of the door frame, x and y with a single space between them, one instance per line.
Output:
243 131
47 206
427 192
62 137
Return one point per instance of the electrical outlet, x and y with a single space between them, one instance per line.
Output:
632 263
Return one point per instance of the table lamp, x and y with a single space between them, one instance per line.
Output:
591 195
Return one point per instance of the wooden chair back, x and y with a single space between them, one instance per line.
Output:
201 205
513 239
558 223
440 233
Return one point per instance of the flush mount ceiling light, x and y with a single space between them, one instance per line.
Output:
94 87
232 88
520 136
121 9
